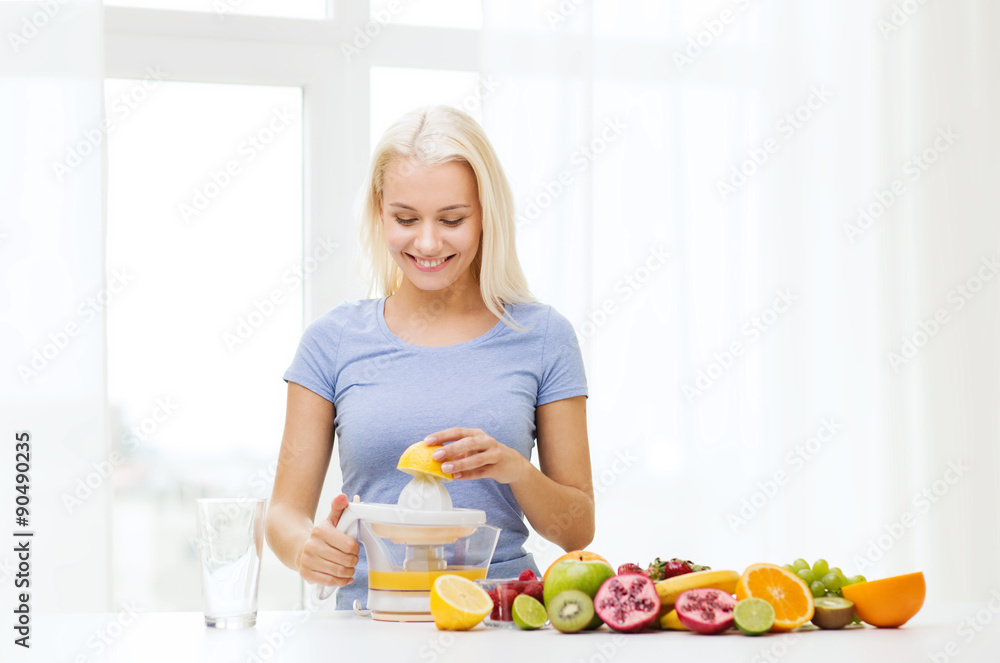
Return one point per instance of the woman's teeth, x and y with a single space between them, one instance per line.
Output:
426 263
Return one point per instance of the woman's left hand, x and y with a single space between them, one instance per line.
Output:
472 454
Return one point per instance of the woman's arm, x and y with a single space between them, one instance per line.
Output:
558 501
319 552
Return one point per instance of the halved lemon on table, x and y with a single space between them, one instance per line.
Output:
458 604
417 458
786 592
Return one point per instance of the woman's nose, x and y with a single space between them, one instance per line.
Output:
427 241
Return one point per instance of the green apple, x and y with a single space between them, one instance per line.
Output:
573 574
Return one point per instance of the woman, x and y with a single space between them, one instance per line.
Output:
456 352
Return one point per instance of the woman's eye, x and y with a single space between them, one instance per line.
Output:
446 222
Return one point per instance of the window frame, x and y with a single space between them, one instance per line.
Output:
253 50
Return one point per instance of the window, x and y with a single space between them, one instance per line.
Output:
431 13
210 233
205 231
396 90
315 9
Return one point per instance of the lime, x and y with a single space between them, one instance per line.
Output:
753 616
528 612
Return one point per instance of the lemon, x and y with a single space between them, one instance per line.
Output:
458 604
417 458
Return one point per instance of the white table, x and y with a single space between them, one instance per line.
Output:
342 636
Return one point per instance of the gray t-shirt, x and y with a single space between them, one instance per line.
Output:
389 394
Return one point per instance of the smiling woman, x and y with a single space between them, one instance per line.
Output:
456 352
422 239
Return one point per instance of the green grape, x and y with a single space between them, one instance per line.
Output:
800 564
788 567
821 568
853 580
817 588
807 576
832 581
840 573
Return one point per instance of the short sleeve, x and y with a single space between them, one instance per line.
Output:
563 374
315 363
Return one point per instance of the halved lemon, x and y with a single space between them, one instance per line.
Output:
417 458
458 604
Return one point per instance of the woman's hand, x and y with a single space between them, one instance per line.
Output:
472 454
328 556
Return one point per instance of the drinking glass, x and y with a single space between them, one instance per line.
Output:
230 537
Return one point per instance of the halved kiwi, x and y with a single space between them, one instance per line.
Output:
570 611
833 612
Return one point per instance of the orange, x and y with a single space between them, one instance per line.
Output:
786 592
578 556
417 458
889 602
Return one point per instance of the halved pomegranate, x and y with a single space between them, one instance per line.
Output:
628 602
706 611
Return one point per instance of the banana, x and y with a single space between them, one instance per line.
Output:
671 588
671 622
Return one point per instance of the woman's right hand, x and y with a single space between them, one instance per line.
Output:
328 556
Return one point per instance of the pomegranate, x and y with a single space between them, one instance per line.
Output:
706 610
628 602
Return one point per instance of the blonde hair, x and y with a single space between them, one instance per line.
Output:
436 135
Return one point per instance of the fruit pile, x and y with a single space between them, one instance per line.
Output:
582 591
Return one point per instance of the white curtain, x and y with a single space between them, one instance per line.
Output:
744 405
52 299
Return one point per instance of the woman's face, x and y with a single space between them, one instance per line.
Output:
432 221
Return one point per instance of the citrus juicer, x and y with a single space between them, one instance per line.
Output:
411 543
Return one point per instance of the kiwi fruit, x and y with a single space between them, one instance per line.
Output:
570 611
833 612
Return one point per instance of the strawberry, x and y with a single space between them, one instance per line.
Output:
535 590
495 615
629 568
507 595
659 570
676 567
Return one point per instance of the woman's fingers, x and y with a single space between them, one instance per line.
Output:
319 578
329 556
323 564
463 447
476 459
450 435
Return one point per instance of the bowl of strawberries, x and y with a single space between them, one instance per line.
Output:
503 591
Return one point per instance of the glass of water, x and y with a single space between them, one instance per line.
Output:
230 538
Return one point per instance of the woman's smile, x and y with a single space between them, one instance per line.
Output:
429 265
